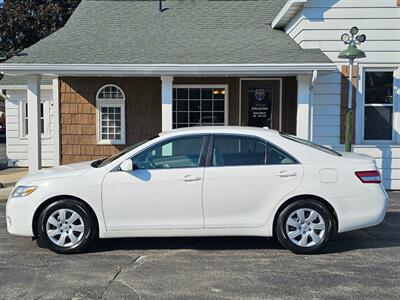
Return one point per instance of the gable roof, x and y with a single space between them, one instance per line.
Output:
188 32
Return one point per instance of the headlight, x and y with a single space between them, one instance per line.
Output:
23 191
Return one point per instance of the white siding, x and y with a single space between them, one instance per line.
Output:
326 102
17 145
320 25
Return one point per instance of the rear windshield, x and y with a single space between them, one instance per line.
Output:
310 144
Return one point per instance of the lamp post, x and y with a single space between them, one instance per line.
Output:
351 53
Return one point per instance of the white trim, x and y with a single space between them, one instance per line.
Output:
213 85
303 106
167 102
110 103
164 69
287 12
57 120
34 137
262 79
360 108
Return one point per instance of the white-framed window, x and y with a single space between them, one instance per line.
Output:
110 103
44 118
200 105
379 104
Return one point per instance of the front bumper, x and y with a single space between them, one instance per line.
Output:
19 215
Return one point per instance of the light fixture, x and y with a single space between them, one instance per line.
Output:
218 92
345 38
354 30
361 38
351 53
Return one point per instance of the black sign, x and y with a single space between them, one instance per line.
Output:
259 100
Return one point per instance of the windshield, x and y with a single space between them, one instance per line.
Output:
310 144
105 161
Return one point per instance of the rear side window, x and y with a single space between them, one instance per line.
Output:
238 151
276 156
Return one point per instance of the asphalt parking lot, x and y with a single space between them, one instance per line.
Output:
364 264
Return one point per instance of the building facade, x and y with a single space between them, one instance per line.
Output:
94 87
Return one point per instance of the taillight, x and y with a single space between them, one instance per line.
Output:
369 176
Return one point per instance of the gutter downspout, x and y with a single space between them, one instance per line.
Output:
311 114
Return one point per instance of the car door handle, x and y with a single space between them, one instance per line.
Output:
191 178
286 174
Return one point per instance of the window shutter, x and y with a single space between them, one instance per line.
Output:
343 102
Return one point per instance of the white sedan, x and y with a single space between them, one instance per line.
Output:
215 181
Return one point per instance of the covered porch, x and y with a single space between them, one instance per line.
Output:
278 97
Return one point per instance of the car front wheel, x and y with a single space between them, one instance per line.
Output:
305 227
66 226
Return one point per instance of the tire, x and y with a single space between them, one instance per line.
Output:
66 226
305 235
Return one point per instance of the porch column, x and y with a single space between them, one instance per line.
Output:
303 106
166 102
34 126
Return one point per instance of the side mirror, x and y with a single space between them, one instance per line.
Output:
127 166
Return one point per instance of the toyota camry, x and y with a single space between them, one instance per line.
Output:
203 181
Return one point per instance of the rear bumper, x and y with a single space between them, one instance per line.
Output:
364 210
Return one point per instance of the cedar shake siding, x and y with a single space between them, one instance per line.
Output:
78 115
142 110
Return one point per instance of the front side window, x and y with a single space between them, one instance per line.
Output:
378 107
110 103
177 153
199 106
25 115
238 151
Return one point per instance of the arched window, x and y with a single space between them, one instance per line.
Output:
110 102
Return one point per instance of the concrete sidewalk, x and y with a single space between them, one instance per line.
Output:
8 178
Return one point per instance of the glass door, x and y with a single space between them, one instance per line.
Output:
260 103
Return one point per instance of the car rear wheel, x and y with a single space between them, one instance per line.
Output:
305 227
66 226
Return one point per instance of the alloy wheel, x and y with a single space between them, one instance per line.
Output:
65 227
305 227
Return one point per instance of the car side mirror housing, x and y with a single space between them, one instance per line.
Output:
127 166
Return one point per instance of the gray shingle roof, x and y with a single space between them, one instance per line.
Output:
22 80
188 32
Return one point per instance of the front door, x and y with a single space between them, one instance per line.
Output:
260 103
163 192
